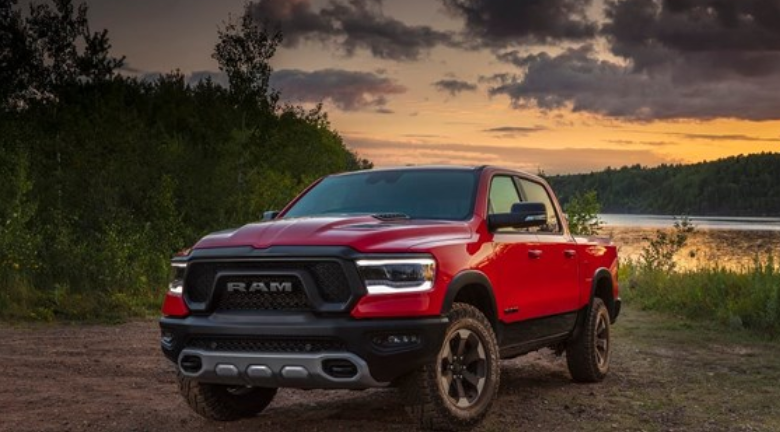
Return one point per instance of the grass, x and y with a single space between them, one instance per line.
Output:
747 297
21 301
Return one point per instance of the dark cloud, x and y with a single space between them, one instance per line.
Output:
454 86
697 39
531 159
499 23
347 90
295 18
723 137
351 25
515 130
692 59
642 143
580 80
497 78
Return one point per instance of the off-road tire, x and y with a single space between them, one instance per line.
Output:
423 391
224 403
589 353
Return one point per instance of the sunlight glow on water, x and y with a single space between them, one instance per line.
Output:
701 222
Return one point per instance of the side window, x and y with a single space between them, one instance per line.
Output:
535 192
503 194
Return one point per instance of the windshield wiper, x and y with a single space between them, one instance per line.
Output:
391 216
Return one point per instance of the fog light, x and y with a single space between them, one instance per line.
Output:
396 340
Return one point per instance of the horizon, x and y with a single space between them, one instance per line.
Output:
561 87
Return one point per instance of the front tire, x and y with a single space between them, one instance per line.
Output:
588 355
456 390
224 403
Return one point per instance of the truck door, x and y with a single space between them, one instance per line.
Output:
518 272
558 292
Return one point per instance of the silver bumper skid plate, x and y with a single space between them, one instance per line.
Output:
276 370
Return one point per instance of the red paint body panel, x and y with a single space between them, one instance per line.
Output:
532 275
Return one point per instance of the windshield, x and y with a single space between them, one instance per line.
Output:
419 194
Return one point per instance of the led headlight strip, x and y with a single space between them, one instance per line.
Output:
397 276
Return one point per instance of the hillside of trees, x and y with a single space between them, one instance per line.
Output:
734 186
104 177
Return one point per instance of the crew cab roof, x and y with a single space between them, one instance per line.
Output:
440 167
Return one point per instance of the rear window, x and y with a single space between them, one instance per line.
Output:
419 194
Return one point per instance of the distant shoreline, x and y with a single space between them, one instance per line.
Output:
702 222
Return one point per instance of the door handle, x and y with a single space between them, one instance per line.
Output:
534 253
570 253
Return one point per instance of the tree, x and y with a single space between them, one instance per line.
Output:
243 53
51 48
582 212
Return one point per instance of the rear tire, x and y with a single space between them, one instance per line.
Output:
224 403
588 355
455 390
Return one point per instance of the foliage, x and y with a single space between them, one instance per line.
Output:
51 48
243 52
582 212
107 178
659 253
735 186
744 298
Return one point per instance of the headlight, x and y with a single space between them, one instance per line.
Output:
397 276
177 278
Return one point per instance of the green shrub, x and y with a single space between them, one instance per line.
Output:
747 298
582 212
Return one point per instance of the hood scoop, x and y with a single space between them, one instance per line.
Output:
390 216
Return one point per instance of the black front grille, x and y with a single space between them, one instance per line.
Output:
328 277
268 345
331 281
266 297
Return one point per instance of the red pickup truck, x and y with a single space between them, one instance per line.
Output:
422 278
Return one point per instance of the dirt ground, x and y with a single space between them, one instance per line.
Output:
667 375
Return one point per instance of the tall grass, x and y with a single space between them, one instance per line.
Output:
746 297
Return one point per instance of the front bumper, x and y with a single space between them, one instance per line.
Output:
362 361
279 370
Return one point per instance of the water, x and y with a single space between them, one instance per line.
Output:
702 222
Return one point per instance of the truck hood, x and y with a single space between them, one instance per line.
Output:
362 233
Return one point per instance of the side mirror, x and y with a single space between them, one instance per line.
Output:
523 215
270 215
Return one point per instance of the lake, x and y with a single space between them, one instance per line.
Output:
702 222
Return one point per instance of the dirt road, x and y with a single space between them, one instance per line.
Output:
667 375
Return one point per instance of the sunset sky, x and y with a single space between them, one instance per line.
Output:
558 85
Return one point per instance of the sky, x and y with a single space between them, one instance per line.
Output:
561 86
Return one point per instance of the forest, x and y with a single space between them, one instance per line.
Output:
104 176
735 186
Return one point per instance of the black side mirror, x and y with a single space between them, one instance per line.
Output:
523 215
270 215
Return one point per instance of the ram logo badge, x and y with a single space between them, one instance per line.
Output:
274 287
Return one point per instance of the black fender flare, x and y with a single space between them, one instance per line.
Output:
466 278
601 274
